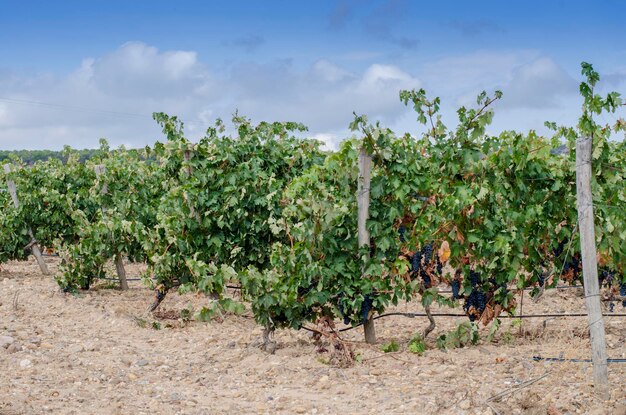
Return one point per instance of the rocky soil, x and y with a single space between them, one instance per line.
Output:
100 352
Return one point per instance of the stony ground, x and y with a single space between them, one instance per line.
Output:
99 352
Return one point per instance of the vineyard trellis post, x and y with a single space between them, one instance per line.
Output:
590 266
119 263
363 203
189 171
33 244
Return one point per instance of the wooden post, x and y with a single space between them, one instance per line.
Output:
33 245
187 156
100 169
121 272
363 203
590 266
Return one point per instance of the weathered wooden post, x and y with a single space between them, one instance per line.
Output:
33 244
363 203
119 263
590 266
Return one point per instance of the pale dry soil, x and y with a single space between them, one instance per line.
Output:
98 353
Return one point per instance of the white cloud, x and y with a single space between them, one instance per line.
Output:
114 95
329 72
539 84
136 69
460 74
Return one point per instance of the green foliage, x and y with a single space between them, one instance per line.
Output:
390 347
464 335
186 314
126 195
417 345
223 196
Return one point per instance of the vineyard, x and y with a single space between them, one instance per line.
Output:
266 224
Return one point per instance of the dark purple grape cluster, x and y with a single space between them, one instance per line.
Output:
456 287
622 292
402 232
574 265
476 299
606 276
372 248
474 278
421 262
559 249
427 252
302 291
425 278
416 262
346 319
366 307
542 279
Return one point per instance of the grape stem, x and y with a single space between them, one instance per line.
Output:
157 301
431 326
268 344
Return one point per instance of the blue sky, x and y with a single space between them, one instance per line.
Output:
74 71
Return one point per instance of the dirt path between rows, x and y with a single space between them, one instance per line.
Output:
99 353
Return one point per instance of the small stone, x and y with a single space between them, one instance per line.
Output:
116 380
300 410
75 348
6 341
24 363
46 345
132 376
14 348
175 397
465 404
92 347
35 340
142 362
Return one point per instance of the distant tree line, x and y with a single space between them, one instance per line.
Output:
31 156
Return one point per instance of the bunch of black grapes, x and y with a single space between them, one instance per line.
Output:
542 278
346 319
402 233
477 298
366 307
573 264
606 276
455 285
421 260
